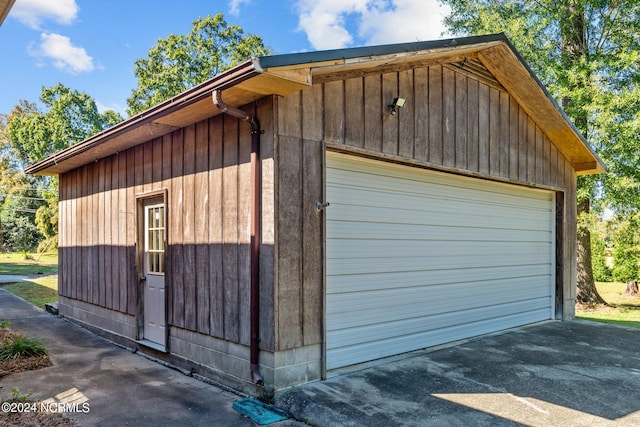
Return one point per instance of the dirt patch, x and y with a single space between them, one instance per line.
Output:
27 413
594 307
35 419
20 364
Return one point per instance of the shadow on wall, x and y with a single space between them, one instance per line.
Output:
207 286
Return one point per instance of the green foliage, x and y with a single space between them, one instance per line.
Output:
626 252
19 200
47 215
48 245
70 116
4 324
21 346
601 271
20 233
179 62
17 396
29 205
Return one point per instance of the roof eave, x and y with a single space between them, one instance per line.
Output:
285 74
149 117
512 71
5 7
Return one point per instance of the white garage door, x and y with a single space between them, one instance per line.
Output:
417 258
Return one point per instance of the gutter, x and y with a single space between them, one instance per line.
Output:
256 196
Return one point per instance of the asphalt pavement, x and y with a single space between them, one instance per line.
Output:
111 385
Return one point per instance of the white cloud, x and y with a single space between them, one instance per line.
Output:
234 6
64 54
407 21
118 108
325 21
33 12
332 24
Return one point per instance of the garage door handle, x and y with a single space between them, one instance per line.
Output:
321 205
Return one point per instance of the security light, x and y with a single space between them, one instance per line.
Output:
397 103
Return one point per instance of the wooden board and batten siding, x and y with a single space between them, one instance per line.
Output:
204 169
452 122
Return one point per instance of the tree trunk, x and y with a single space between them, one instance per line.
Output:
574 47
632 288
586 286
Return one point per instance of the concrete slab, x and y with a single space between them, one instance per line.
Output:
8 278
574 373
119 387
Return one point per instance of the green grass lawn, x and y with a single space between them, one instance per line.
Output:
15 263
622 310
38 291
42 288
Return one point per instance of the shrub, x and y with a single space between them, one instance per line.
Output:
21 346
601 271
626 252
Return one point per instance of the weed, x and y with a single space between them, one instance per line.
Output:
21 346
4 324
17 396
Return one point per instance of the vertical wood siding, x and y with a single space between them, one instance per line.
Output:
449 119
205 170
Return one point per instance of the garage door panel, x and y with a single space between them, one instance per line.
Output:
379 205
416 258
527 221
346 310
352 248
452 263
348 249
344 356
397 280
389 231
381 332
398 179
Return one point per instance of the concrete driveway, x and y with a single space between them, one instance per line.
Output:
554 374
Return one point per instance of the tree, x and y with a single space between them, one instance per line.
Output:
28 205
179 62
600 245
70 117
47 217
626 253
19 201
586 52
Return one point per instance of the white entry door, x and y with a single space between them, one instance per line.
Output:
154 296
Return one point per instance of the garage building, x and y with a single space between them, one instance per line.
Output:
301 214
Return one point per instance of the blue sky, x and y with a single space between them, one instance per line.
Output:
91 45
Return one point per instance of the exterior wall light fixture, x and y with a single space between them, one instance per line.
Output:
397 103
